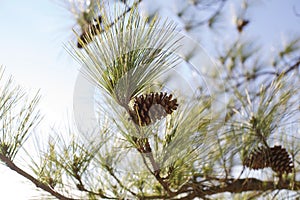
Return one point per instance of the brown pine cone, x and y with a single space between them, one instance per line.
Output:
151 107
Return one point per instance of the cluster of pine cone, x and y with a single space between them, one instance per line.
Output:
275 157
151 107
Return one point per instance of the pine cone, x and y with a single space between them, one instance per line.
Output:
152 107
258 158
280 161
275 157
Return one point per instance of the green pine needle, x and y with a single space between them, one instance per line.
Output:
125 59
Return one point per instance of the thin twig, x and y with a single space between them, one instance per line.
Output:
216 13
110 170
81 187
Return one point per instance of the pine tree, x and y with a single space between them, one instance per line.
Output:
160 134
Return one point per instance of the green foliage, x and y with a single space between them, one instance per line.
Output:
18 116
198 150
126 58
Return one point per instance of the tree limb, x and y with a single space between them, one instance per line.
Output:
239 186
10 164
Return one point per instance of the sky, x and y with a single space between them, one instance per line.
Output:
32 50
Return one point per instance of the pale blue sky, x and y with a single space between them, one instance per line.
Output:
32 34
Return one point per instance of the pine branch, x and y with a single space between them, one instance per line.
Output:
110 171
10 164
156 169
94 30
238 186
214 15
292 67
82 187
192 190
273 73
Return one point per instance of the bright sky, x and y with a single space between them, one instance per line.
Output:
32 36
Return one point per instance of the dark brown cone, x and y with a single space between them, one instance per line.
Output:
258 158
280 161
152 107
275 157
